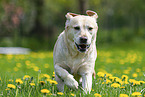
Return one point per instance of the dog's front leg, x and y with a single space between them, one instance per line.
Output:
66 77
87 82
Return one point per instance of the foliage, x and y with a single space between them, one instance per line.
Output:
119 73
45 19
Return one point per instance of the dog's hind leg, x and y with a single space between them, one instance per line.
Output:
60 85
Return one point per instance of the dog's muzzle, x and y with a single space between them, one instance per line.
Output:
83 46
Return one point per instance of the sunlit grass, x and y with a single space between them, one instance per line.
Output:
119 73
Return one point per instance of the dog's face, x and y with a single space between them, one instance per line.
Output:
81 30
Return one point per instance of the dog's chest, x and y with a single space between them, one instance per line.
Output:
76 63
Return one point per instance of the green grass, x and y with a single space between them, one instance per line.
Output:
111 65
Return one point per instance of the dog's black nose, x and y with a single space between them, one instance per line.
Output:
83 39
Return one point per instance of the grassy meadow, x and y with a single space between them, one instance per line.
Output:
119 73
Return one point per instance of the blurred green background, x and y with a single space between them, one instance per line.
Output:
36 24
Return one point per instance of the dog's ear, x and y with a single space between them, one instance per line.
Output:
70 15
92 14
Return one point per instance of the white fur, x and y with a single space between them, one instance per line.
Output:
70 64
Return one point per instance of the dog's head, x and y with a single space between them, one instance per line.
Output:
81 30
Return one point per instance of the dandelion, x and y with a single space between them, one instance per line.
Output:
123 95
108 75
16 69
115 85
11 86
126 71
134 75
46 65
138 70
136 83
113 79
100 74
59 93
97 95
10 80
26 77
41 82
124 82
136 94
18 65
48 80
32 84
19 81
124 77
45 91
122 87
142 82
53 82
7 89
35 68
72 94
132 80
107 82
46 75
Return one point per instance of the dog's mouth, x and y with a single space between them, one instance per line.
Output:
82 47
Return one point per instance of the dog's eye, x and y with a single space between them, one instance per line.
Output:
90 28
77 28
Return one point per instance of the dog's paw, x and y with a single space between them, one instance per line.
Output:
71 82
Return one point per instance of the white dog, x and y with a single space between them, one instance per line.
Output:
75 51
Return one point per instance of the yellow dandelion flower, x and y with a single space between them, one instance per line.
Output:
138 70
36 68
124 77
136 94
132 80
118 80
10 80
108 75
11 86
41 82
113 79
107 82
136 83
46 75
122 87
134 75
46 65
97 95
72 94
26 77
45 91
59 93
19 65
53 82
124 82
53 76
27 62
123 95
9 56
115 85
19 81
126 71
48 80
142 82
16 69
32 84
0 78
7 89
100 74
